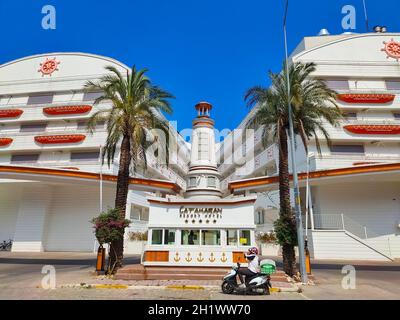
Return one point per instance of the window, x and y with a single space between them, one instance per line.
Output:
25 158
347 148
135 213
33 127
393 85
203 146
396 115
350 115
156 236
211 182
211 238
91 96
338 84
169 236
190 237
192 182
82 125
260 217
232 237
40 99
244 237
81 156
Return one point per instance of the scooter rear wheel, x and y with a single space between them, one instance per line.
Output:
227 287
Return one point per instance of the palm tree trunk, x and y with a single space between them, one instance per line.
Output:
117 246
286 213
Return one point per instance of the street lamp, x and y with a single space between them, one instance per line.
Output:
297 208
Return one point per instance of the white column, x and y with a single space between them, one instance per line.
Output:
31 221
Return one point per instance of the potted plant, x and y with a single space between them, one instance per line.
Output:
109 227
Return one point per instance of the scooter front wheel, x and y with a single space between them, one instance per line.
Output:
227 287
266 290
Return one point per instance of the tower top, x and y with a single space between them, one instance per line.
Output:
203 109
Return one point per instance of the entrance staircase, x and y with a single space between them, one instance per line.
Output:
377 245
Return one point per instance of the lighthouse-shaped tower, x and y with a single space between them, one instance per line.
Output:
203 179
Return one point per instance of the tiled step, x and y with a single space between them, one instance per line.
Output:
139 272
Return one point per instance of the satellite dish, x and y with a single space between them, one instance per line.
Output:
324 32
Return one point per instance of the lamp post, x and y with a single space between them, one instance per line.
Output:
297 208
366 16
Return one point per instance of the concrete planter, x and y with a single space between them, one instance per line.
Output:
134 247
269 249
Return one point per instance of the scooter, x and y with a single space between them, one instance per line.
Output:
259 283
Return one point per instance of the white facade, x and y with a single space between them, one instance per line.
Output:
356 217
42 99
201 228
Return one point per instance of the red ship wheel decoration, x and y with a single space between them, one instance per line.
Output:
48 67
392 49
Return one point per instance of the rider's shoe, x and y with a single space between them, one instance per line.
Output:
242 286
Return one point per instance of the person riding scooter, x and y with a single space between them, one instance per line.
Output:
252 269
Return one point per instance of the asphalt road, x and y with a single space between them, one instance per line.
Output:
21 277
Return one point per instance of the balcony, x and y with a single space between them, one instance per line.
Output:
331 161
370 98
232 158
49 111
26 140
262 160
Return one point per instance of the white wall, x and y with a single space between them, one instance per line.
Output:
338 245
9 202
68 226
373 204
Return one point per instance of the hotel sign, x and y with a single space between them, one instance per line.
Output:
200 215
199 210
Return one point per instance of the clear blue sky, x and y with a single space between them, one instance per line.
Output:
199 50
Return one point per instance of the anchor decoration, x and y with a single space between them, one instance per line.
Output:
188 257
211 258
200 257
223 257
177 258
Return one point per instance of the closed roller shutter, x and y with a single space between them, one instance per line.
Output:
68 223
9 202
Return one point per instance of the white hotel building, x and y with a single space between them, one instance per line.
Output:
49 164
354 191
50 173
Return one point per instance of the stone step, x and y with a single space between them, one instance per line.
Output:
139 272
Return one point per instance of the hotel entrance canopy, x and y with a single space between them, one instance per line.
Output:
46 175
369 173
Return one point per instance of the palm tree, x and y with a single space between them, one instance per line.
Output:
135 113
313 104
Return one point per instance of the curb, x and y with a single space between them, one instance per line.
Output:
176 287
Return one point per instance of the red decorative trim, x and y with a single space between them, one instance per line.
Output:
274 180
49 66
366 98
67 138
392 49
374 129
10 113
55 111
361 163
5 141
220 204
151 184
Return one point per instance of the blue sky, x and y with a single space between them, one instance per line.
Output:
199 50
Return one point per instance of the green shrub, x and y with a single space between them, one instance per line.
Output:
109 226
